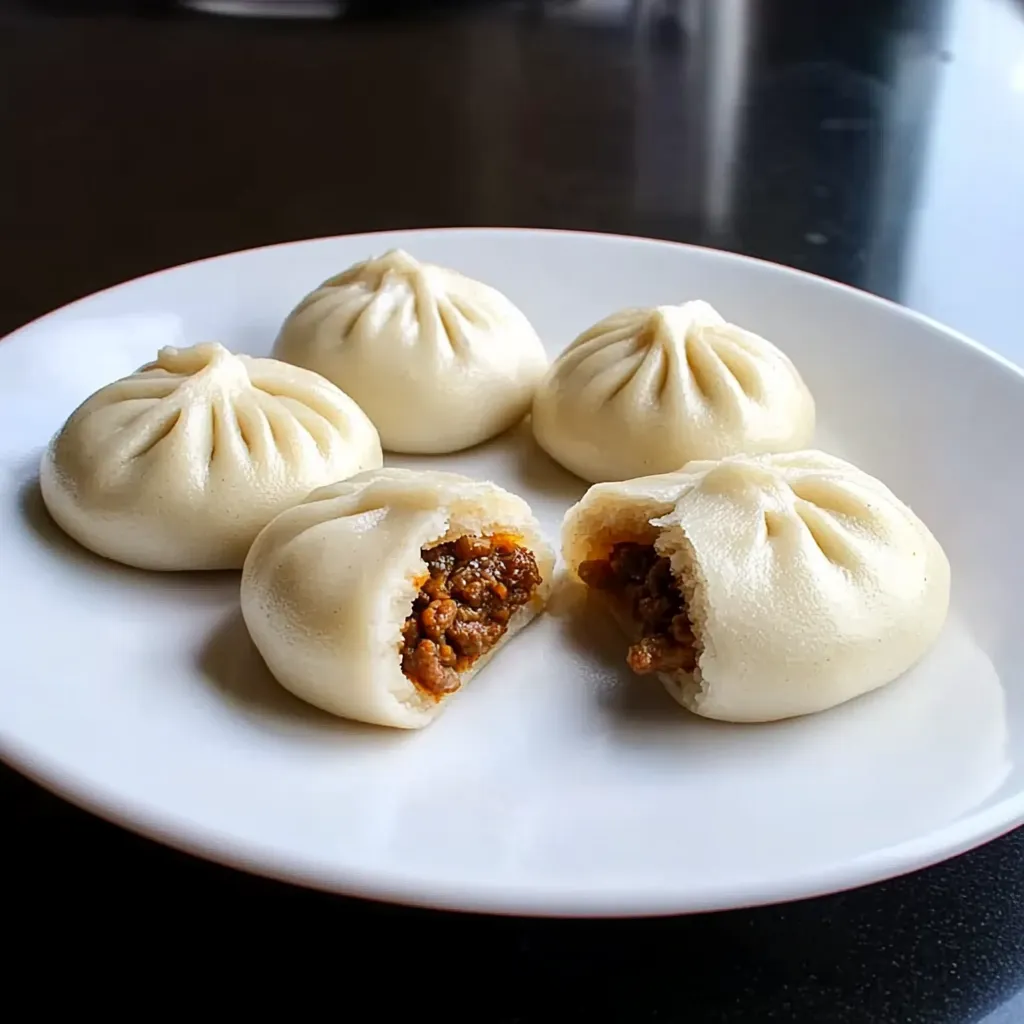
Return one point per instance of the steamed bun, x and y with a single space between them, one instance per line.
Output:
438 361
181 464
380 597
647 390
788 583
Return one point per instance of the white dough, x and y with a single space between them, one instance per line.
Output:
806 580
328 585
647 390
181 464
438 361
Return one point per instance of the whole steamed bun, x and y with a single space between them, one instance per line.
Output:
182 463
807 582
438 361
647 390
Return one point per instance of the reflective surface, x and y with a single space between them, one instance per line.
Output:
880 143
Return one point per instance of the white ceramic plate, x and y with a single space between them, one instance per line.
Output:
557 783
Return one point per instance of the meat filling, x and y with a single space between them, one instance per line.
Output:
636 576
475 586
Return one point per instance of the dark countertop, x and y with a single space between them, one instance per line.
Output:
879 142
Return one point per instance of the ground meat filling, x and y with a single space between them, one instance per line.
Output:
463 609
638 577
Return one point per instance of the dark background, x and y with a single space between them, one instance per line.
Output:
878 143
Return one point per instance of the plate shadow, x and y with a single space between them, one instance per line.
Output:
39 521
588 628
230 662
540 471
235 670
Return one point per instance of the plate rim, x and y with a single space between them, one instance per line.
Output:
706 251
983 825
528 900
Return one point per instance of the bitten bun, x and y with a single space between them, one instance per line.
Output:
806 581
329 585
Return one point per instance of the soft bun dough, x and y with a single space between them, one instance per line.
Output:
647 390
181 464
328 585
806 580
439 362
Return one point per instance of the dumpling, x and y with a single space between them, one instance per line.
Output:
379 597
438 361
181 464
762 587
647 390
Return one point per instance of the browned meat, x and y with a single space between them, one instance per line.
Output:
660 654
464 607
422 663
638 577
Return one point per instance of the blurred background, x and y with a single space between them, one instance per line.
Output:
842 137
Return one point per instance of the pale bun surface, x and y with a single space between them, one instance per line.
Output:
328 585
807 581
